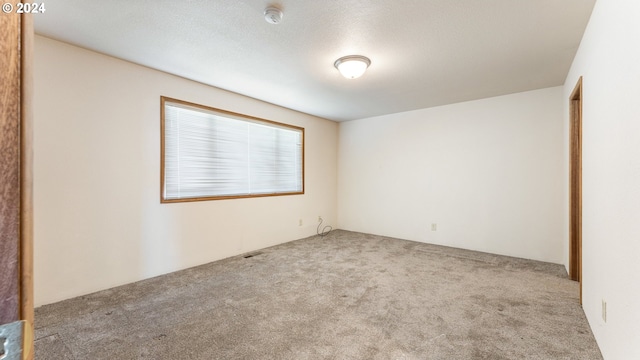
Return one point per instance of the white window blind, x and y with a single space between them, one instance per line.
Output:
209 153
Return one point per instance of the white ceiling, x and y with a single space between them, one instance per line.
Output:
423 53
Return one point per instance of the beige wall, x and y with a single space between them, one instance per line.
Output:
98 218
609 61
489 173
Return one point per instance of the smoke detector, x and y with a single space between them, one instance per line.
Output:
273 15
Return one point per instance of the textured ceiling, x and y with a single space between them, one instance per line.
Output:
424 53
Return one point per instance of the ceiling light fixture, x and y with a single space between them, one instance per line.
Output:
352 66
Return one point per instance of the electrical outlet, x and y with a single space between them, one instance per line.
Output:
434 227
300 222
604 310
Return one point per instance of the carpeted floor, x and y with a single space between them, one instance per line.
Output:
344 296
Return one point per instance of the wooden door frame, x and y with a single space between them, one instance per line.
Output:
575 184
16 173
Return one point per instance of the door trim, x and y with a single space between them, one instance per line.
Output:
575 184
26 170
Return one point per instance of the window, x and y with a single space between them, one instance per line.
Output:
212 154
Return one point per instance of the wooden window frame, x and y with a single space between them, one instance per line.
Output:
164 99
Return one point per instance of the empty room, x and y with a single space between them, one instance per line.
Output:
427 179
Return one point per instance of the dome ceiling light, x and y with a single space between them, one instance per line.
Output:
352 66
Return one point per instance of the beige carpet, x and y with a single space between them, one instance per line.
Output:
344 296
